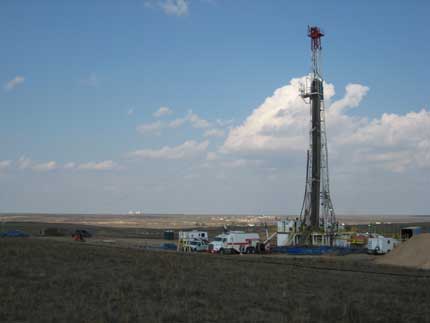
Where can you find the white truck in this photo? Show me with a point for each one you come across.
(235, 242)
(193, 241)
(380, 245)
(194, 245)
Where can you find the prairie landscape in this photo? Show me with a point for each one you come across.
(49, 280)
(205, 161)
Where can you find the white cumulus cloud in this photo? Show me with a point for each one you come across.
(162, 111)
(154, 127)
(24, 162)
(214, 133)
(354, 93)
(103, 165)
(393, 141)
(188, 149)
(192, 118)
(70, 165)
(5, 164)
(281, 125)
(44, 167)
(211, 156)
(224, 123)
(12, 84)
(175, 7)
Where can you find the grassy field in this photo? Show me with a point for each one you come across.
(36, 229)
(54, 281)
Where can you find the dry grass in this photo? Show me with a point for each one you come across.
(53, 281)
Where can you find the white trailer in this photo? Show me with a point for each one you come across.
(194, 234)
(235, 242)
(381, 245)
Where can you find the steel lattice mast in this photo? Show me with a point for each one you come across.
(317, 211)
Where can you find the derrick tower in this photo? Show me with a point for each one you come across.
(317, 210)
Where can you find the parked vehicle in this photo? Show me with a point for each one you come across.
(194, 245)
(235, 242)
(193, 241)
(80, 235)
(84, 233)
(381, 245)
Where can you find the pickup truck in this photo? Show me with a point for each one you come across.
(195, 245)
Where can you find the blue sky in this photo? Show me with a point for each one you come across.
(80, 80)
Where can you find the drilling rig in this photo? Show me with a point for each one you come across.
(317, 215)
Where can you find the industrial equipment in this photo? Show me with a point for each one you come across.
(235, 242)
(317, 214)
(381, 245)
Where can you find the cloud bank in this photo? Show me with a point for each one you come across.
(104, 165)
(25, 163)
(187, 150)
(280, 125)
(4, 164)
